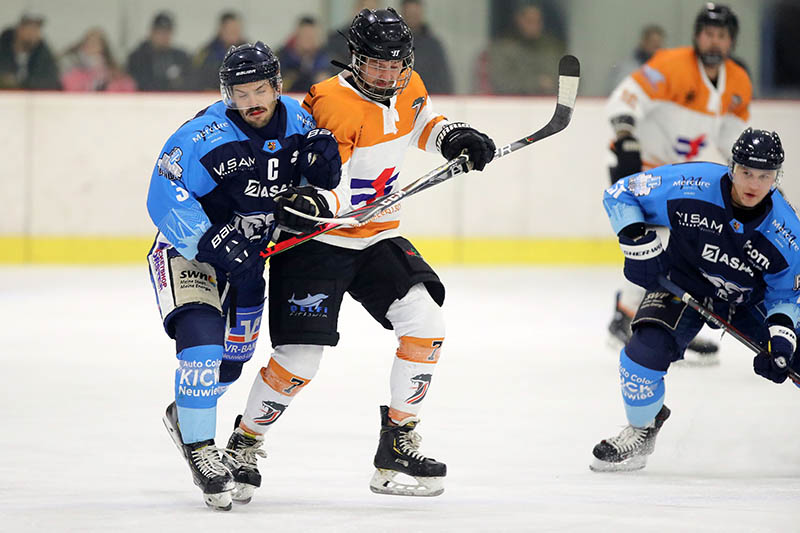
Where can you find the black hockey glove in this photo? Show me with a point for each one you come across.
(225, 248)
(459, 136)
(774, 362)
(629, 158)
(644, 259)
(319, 160)
(304, 199)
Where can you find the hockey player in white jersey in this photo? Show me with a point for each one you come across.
(684, 104)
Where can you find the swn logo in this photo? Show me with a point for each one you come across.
(194, 274)
(689, 148)
(271, 411)
(422, 382)
(168, 164)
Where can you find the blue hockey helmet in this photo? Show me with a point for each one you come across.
(247, 63)
(377, 36)
(760, 149)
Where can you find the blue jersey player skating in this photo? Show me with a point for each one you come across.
(732, 246)
(212, 195)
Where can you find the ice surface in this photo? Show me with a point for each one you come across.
(526, 386)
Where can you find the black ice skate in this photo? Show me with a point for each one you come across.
(629, 450)
(205, 461)
(700, 352)
(244, 451)
(398, 454)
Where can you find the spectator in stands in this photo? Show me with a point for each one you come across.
(156, 65)
(207, 61)
(430, 60)
(26, 61)
(303, 61)
(525, 60)
(89, 65)
(336, 47)
(650, 40)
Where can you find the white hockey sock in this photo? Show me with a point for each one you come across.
(289, 370)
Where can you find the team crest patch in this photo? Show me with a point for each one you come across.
(272, 146)
(737, 226)
(270, 411)
(642, 184)
(422, 382)
(168, 164)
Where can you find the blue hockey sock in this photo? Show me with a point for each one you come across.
(240, 342)
(197, 389)
(642, 390)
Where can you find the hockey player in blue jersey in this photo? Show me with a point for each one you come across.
(213, 196)
(732, 246)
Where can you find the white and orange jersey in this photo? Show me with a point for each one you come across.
(373, 139)
(679, 114)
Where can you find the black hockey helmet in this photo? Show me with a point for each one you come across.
(717, 15)
(246, 63)
(760, 149)
(382, 35)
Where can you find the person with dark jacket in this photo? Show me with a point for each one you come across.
(430, 59)
(207, 61)
(156, 65)
(26, 61)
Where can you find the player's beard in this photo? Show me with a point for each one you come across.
(258, 116)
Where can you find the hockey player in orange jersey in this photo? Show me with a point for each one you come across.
(376, 108)
(684, 104)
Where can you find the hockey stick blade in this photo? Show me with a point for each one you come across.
(715, 319)
(568, 80)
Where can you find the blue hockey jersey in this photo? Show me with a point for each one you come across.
(217, 168)
(710, 252)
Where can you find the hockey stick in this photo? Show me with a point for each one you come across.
(568, 78)
(715, 319)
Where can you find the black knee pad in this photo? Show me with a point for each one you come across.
(229, 371)
(652, 347)
(198, 326)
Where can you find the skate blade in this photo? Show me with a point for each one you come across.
(628, 465)
(242, 493)
(174, 434)
(220, 501)
(383, 482)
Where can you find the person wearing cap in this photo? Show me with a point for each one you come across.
(26, 61)
(732, 246)
(156, 65)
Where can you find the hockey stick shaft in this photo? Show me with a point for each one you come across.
(568, 80)
(714, 319)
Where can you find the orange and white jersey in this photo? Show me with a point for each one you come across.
(373, 139)
(679, 114)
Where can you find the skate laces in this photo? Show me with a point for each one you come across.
(246, 450)
(409, 442)
(629, 439)
(208, 461)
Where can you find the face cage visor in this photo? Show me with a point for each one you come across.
(380, 79)
(778, 175)
(227, 92)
